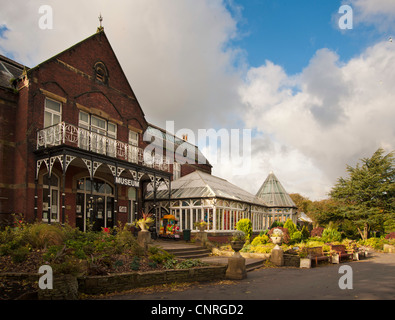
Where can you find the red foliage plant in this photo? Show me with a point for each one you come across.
(317, 232)
(391, 235)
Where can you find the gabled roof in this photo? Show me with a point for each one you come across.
(9, 70)
(274, 194)
(199, 184)
(101, 35)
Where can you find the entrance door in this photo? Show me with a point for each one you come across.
(95, 206)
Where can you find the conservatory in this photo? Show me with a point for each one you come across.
(280, 205)
(200, 196)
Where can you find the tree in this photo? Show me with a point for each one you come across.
(301, 202)
(367, 194)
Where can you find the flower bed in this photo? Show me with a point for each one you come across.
(68, 251)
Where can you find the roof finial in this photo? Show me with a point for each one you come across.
(101, 28)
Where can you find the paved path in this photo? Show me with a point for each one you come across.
(373, 278)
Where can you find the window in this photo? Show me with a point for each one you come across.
(133, 151)
(176, 171)
(84, 120)
(52, 112)
(112, 130)
(133, 138)
(101, 73)
(50, 202)
(93, 133)
(132, 205)
(98, 125)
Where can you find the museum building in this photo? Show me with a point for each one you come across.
(72, 150)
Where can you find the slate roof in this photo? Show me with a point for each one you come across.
(9, 69)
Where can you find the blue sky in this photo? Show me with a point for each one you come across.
(289, 32)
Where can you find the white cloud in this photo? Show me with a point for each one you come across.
(380, 13)
(330, 115)
(175, 53)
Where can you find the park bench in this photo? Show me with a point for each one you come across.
(316, 254)
(339, 253)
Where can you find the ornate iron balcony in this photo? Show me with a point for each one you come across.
(71, 135)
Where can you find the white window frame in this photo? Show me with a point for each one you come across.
(52, 112)
(176, 171)
(97, 143)
(132, 141)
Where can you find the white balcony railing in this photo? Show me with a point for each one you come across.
(68, 134)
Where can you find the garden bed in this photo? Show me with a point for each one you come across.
(27, 247)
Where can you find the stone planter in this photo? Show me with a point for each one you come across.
(277, 241)
(389, 248)
(144, 238)
(237, 245)
(305, 263)
(201, 236)
(335, 258)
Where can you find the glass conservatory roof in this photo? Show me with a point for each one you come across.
(203, 185)
(274, 194)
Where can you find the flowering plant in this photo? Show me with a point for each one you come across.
(200, 224)
(277, 233)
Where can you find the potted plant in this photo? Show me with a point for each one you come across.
(145, 221)
(305, 261)
(201, 225)
(237, 241)
(143, 236)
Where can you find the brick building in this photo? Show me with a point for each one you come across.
(71, 140)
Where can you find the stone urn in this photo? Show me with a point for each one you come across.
(237, 245)
(277, 241)
(277, 238)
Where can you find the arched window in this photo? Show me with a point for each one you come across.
(101, 73)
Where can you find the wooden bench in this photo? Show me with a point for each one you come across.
(316, 254)
(339, 253)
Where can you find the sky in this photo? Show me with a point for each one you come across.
(316, 97)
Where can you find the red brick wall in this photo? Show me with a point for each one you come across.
(71, 76)
(8, 106)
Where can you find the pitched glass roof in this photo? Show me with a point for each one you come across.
(274, 194)
(203, 185)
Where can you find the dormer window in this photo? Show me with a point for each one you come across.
(101, 73)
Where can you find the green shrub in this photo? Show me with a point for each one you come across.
(42, 235)
(262, 249)
(19, 255)
(296, 237)
(305, 233)
(135, 264)
(170, 264)
(331, 235)
(375, 243)
(158, 255)
(260, 240)
(190, 263)
(291, 227)
(245, 225)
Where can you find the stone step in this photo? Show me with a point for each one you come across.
(190, 254)
(254, 265)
